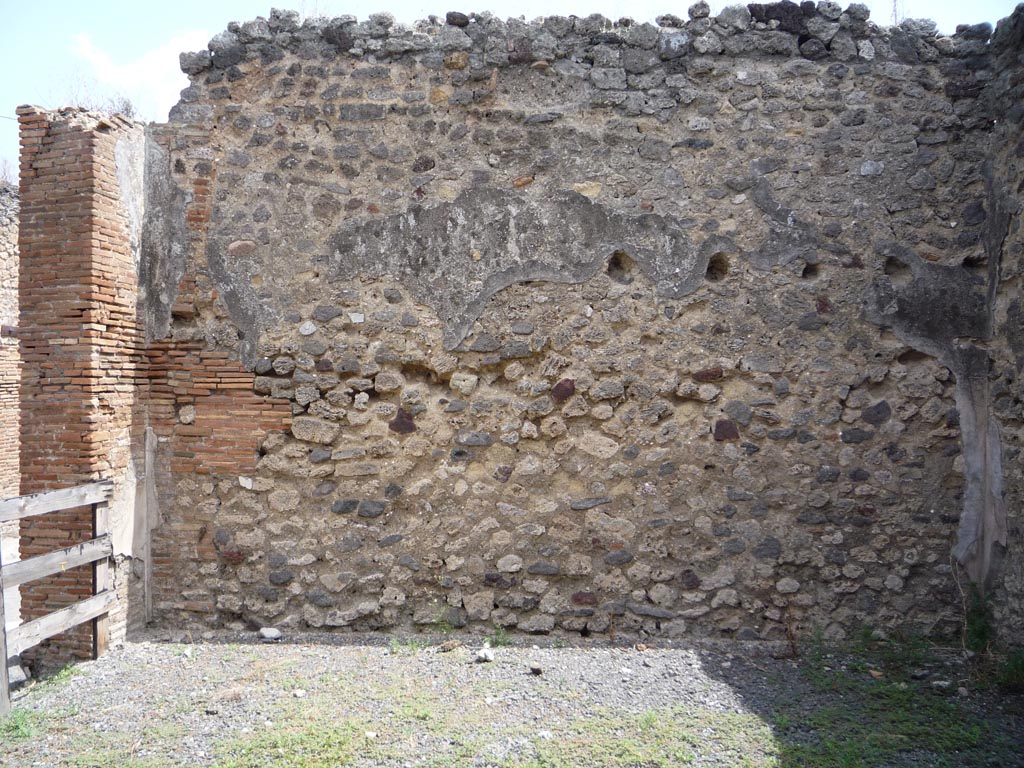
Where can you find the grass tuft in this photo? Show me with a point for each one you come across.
(408, 644)
(1010, 676)
(311, 746)
(874, 712)
(979, 629)
(499, 638)
(19, 724)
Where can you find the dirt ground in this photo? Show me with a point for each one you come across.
(428, 701)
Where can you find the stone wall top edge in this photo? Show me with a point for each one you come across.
(808, 30)
(77, 116)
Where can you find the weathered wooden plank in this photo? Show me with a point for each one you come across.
(51, 501)
(5, 683)
(57, 561)
(35, 631)
(101, 580)
(149, 512)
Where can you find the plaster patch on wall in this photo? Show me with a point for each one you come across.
(128, 155)
(165, 244)
(947, 312)
(455, 256)
(789, 237)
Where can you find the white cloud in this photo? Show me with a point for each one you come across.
(152, 81)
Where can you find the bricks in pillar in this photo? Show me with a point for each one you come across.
(80, 342)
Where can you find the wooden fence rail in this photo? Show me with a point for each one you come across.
(96, 551)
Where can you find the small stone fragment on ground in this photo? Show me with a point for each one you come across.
(270, 635)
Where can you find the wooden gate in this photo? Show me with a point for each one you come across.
(97, 551)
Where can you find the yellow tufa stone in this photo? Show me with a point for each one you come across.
(589, 189)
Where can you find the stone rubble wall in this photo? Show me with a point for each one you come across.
(703, 328)
(10, 378)
(8, 254)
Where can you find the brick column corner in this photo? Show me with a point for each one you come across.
(80, 341)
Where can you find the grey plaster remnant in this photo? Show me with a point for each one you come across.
(455, 256)
(936, 306)
(128, 158)
(164, 242)
(949, 313)
(249, 311)
(1013, 331)
(788, 238)
(983, 519)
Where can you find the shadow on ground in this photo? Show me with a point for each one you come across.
(880, 703)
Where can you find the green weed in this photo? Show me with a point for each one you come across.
(663, 737)
(647, 721)
(399, 645)
(443, 626)
(19, 724)
(979, 630)
(499, 638)
(317, 745)
(61, 676)
(414, 708)
(105, 758)
(875, 712)
(1010, 674)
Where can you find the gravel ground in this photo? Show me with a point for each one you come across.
(315, 700)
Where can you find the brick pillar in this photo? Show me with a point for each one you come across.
(79, 339)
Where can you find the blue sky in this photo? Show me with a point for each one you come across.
(60, 52)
